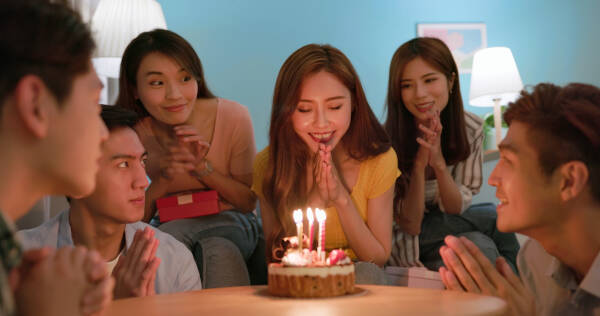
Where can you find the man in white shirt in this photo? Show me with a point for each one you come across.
(143, 260)
(548, 184)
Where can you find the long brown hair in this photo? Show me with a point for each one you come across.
(400, 123)
(285, 183)
(161, 41)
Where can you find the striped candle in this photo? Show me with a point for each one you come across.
(321, 217)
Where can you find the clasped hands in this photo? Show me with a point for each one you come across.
(467, 269)
(430, 151)
(67, 281)
(327, 179)
(187, 155)
(75, 281)
(135, 272)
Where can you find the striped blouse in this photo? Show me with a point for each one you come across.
(468, 176)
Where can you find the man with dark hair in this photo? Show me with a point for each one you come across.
(143, 260)
(548, 183)
(50, 135)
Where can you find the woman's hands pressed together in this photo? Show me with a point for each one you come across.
(327, 179)
(430, 151)
(187, 155)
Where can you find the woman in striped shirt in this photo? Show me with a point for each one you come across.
(440, 170)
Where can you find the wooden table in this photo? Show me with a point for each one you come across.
(369, 300)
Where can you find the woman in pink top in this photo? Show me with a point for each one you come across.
(195, 141)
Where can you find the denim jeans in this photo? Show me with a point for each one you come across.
(477, 223)
(221, 244)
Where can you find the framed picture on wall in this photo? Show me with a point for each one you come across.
(463, 39)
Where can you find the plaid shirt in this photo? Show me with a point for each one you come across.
(10, 254)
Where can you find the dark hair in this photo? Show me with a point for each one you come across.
(400, 123)
(568, 120)
(157, 41)
(43, 39)
(284, 185)
(115, 116)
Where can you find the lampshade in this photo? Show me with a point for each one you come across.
(116, 22)
(494, 77)
(107, 66)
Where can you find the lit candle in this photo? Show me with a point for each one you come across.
(321, 216)
(298, 220)
(311, 219)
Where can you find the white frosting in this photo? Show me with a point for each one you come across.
(320, 271)
(295, 259)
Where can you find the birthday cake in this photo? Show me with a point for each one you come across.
(302, 274)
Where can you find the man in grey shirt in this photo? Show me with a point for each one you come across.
(548, 183)
(143, 260)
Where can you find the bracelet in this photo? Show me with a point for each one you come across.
(208, 169)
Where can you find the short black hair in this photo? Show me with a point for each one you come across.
(566, 118)
(48, 40)
(115, 116)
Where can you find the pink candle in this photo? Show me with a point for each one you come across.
(311, 219)
(321, 216)
(298, 219)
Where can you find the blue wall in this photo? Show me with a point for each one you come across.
(242, 44)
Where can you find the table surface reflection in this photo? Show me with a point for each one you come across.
(368, 300)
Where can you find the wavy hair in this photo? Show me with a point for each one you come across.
(285, 183)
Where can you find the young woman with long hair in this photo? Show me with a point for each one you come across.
(327, 150)
(439, 149)
(195, 141)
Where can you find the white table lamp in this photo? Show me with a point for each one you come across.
(495, 81)
(114, 24)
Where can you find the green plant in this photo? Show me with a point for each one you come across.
(488, 120)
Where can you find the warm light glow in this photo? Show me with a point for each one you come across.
(495, 76)
(495, 81)
(298, 216)
(310, 216)
(299, 228)
(116, 22)
(311, 227)
(321, 216)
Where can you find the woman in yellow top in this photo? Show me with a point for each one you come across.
(327, 150)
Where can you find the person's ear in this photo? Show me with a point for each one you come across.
(574, 177)
(32, 99)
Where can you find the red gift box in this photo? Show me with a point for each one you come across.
(187, 205)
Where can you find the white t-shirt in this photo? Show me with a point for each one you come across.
(113, 263)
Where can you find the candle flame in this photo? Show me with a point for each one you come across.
(309, 215)
(321, 216)
(298, 216)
